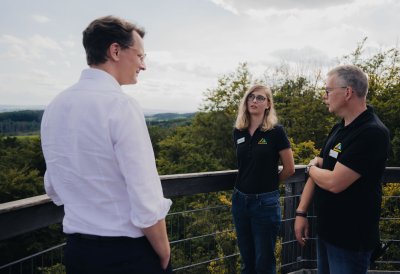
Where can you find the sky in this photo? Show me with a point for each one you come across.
(190, 44)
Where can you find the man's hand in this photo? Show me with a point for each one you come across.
(164, 262)
(301, 230)
(315, 162)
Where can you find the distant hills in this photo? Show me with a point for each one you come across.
(9, 108)
(147, 112)
(26, 122)
(168, 116)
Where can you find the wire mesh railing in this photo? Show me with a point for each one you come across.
(203, 239)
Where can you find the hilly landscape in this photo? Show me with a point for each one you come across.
(27, 122)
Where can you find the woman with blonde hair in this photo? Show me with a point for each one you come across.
(260, 143)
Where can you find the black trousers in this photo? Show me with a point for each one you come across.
(89, 254)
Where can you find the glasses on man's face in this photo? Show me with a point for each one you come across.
(329, 90)
(259, 98)
(140, 56)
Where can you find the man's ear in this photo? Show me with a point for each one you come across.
(349, 93)
(114, 51)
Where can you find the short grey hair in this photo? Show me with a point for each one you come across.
(352, 76)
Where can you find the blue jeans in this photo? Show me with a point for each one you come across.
(335, 260)
(257, 218)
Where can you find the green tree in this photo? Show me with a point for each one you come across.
(390, 222)
(21, 168)
(157, 134)
(206, 144)
(383, 69)
(303, 152)
(226, 96)
(302, 112)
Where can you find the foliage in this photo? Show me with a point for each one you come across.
(21, 168)
(206, 145)
(226, 245)
(30, 243)
(301, 111)
(157, 134)
(383, 69)
(226, 96)
(20, 122)
(169, 120)
(55, 269)
(203, 142)
(194, 218)
(303, 152)
(180, 153)
(390, 222)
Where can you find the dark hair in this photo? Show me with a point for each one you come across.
(352, 76)
(104, 31)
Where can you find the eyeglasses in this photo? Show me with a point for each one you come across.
(328, 90)
(259, 98)
(141, 56)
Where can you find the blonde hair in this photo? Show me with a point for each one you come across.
(243, 117)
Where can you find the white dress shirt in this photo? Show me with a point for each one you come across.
(100, 161)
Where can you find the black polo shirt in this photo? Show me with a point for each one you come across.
(350, 219)
(257, 159)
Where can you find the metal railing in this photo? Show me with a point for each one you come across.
(202, 239)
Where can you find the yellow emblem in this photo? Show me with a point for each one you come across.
(262, 141)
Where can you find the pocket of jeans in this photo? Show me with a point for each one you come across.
(268, 212)
(269, 203)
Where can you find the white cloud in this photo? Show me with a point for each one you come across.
(240, 6)
(29, 49)
(190, 44)
(301, 55)
(44, 43)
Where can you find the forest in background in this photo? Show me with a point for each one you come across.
(203, 141)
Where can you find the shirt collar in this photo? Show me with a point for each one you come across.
(103, 78)
(361, 119)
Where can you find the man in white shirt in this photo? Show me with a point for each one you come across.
(100, 162)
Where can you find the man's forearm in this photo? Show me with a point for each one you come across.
(306, 196)
(158, 238)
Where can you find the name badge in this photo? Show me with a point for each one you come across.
(333, 153)
(240, 140)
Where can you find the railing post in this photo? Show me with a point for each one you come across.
(294, 257)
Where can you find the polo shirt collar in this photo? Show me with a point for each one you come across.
(361, 119)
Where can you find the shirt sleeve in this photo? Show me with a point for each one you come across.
(282, 139)
(135, 157)
(367, 152)
(50, 191)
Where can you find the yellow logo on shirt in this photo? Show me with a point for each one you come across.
(262, 141)
(338, 147)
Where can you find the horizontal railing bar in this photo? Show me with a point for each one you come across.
(197, 209)
(30, 214)
(295, 241)
(299, 262)
(387, 262)
(201, 236)
(33, 255)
